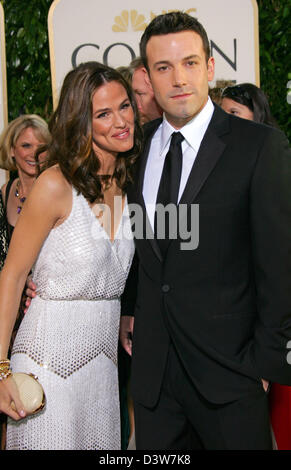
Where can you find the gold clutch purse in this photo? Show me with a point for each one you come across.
(30, 392)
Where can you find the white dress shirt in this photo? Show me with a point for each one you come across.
(193, 133)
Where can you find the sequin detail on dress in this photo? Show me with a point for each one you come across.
(69, 336)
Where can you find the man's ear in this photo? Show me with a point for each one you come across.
(210, 68)
(147, 78)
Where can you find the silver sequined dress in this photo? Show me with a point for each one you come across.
(69, 336)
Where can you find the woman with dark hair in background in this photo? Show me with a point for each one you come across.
(247, 101)
(75, 227)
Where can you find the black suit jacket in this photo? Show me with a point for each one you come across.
(226, 306)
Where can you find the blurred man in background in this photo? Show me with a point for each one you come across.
(144, 95)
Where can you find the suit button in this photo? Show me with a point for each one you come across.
(165, 288)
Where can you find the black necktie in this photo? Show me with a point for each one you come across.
(170, 183)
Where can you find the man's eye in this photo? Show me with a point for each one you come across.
(125, 105)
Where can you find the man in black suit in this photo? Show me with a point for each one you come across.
(212, 317)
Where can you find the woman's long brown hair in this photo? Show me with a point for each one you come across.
(71, 128)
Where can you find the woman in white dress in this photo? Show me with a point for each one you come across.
(74, 232)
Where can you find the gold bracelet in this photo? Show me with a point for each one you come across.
(4, 361)
(5, 375)
(4, 367)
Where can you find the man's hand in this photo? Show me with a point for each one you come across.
(30, 292)
(125, 332)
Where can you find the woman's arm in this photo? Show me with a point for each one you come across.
(48, 203)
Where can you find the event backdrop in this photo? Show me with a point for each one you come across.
(110, 32)
(3, 86)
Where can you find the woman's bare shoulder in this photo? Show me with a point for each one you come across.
(53, 182)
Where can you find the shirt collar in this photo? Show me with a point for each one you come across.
(192, 132)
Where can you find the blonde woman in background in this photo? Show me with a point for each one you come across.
(18, 144)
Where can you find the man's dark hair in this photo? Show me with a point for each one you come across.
(173, 22)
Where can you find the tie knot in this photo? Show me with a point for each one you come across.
(177, 138)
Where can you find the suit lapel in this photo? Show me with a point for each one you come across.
(209, 153)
